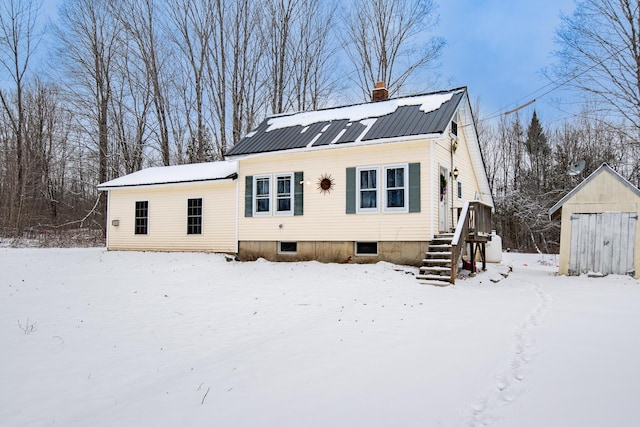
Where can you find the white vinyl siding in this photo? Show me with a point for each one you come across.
(167, 217)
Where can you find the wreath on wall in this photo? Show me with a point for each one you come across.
(443, 187)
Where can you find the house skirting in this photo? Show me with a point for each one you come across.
(405, 253)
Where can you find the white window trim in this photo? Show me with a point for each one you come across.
(405, 187)
(358, 189)
(275, 194)
(255, 195)
(459, 189)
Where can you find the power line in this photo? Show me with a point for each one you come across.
(557, 86)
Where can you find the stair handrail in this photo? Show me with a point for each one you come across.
(476, 216)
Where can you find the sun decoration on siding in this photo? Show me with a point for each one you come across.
(325, 183)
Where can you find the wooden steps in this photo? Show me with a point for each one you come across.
(436, 266)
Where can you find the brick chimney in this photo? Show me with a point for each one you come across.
(379, 93)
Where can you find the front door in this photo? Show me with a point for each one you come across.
(443, 203)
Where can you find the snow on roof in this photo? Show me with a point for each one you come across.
(175, 174)
(355, 113)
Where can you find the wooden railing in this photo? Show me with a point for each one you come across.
(474, 220)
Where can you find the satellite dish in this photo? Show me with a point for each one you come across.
(576, 168)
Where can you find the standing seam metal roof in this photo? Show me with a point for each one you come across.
(405, 120)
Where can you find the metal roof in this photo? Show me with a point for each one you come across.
(424, 114)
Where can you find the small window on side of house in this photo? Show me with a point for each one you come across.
(194, 216)
(142, 217)
(287, 247)
(367, 248)
(459, 190)
(454, 128)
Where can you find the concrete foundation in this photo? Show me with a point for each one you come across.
(404, 253)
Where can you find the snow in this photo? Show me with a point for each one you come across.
(175, 174)
(356, 113)
(99, 338)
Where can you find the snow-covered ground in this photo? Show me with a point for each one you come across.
(96, 338)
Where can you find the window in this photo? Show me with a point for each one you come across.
(454, 128)
(284, 197)
(368, 190)
(287, 247)
(277, 194)
(142, 217)
(459, 189)
(366, 248)
(395, 188)
(194, 216)
(398, 190)
(262, 196)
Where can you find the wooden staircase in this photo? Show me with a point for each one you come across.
(439, 267)
(436, 266)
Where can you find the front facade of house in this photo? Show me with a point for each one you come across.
(600, 231)
(361, 183)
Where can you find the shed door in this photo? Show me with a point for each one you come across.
(602, 243)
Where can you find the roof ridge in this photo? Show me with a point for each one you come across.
(439, 92)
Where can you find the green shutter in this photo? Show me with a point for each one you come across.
(351, 190)
(414, 187)
(248, 196)
(298, 193)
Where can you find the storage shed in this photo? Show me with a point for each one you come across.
(599, 226)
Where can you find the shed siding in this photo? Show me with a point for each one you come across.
(603, 194)
(168, 218)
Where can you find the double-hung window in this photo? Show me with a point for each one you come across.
(194, 216)
(367, 186)
(142, 217)
(395, 188)
(262, 195)
(284, 194)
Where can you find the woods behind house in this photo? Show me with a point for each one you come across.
(107, 88)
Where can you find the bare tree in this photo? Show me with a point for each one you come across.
(387, 41)
(195, 22)
(18, 40)
(140, 19)
(313, 51)
(600, 54)
(89, 42)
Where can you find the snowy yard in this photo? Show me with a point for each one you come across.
(96, 338)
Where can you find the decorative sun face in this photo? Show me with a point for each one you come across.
(325, 183)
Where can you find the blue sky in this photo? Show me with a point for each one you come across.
(498, 48)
